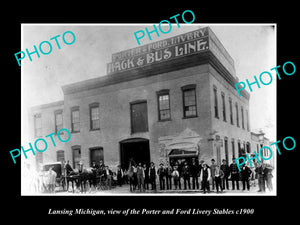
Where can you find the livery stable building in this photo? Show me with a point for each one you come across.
(169, 100)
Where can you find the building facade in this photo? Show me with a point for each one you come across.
(169, 100)
(257, 142)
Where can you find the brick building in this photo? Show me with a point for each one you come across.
(168, 100)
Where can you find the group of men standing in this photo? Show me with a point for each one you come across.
(182, 175)
(217, 176)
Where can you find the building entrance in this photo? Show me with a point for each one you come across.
(136, 149)
(180, 156)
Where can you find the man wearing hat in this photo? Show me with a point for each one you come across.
(152, 176)
(226, 170)
(161, 174)
(204, 178)
(234, 174)
(200, 169)
(186, 175)
(261, 181)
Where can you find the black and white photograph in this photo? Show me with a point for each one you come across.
(148, 113)
(103, 115)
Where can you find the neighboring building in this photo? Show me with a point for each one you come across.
(257, 142)
(168, 100)
(44, 120)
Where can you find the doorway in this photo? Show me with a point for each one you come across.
(136, 149)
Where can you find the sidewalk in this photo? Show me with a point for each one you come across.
(124, 190)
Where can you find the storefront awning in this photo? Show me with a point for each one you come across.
(185, 144)
(179, 153)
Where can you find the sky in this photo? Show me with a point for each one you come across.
(252, 47)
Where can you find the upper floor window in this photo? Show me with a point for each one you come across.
(75, 119)
(247, 120)
(233, 148)
(230, 111)
(94, 116)
(237, 114)
(38, 125)
(164, 112)
(60, 155)
(216, 102)
(139, 116)
(189, 101)
(58, 120)
(242, 112)
(223, 107)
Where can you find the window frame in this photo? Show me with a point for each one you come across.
(223, 106)
(93, 106)
(237, 114)
(247, 120)
(216, 107)
(58, 112)
(131, 118)
(75, 148)
(73, 109)
(38, 115)
(233, 148)
(230, 111)
(183, 90)
(101, 149)
(242, 112)
(58, 153)
(159, 94)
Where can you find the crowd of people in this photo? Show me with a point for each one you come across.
(195, 175)
(180, 175)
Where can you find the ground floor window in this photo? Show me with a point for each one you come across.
(76, 156)
(60, 156)
(96, 155)
(226, 149)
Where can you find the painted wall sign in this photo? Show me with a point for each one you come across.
(171, 48)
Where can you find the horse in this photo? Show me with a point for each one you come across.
(81, 178)
(131, 176)
(88, 175)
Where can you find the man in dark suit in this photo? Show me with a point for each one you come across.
(107, 177)
(268, 176)
(169, 171)
(234, 173)
(186, 175)
(200, 169)
(226, 170)
(246, 173)
(204, 177)
(161, 174)
(179, 168)
(152, 176)
(260, 176)
(146, 181)
(194, 169)
(120, 175)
